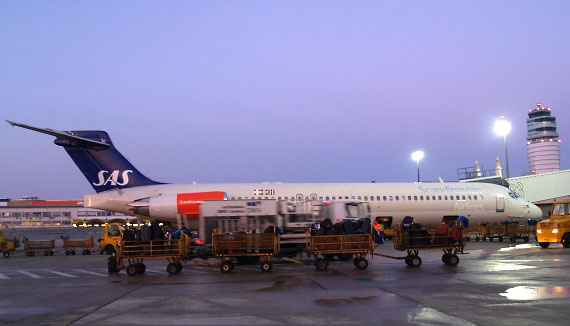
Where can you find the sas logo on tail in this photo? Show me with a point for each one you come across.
(112, 178)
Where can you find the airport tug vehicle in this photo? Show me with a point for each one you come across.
(557, 228)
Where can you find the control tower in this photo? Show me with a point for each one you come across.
(543, 144)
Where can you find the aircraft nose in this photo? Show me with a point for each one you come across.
(534, 211)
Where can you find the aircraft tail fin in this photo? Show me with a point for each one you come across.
(94, 154)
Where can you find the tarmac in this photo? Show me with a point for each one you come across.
(494, 284)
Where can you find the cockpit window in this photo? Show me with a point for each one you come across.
(512, 194)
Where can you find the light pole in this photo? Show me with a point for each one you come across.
(502, 128)
(418, 156)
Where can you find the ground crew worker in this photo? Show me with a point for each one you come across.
(379, 228)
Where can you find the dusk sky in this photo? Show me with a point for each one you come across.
(277, 91)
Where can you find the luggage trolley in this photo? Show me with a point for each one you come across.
(71, 245)
(358, 244)
(31, 246)
(517, 231)
(414, 240)
(227, 246)
(134, 252)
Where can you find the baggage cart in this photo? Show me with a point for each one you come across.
(493, 231)
(358, 245)
(229, 246)
(6, 246)
(515, 231)
(46, 246)
(135, 252)
(71, 245)
(414, 240)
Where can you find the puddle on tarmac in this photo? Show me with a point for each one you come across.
(536, 293)
(286, 282)
(509, 267)
(520, 246)
(344, 301)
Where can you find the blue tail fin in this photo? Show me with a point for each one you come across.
(94, 154)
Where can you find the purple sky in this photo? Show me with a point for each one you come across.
(291, 91)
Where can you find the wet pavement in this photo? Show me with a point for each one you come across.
(494, 284)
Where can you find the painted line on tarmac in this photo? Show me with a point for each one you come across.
(153, 271)
(89, 272)
(4, 277)
(59, 273)
(32, 275)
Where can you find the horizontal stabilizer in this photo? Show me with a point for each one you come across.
(62, 134)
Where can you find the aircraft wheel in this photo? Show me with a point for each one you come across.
(266, 267)
(171, 268)
(132, 269)
(321, 264)
(6, 254)
(67, 252)
(73, 252)
(477, 239)
(526, 239)
(500, 239)
(490, 239)
(361, 263)
(544, 244)
(226, 267)
(415, 261)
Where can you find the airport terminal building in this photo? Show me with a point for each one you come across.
(30, 212)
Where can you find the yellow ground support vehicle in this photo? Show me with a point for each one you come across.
(109, 237)
(6, 245)
(557, 228)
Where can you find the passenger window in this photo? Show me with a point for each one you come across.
(359, 197)
(384, 198)
(239, 198)
(439, 197)
(427, 197)
(397, 198)
(463, 197)
(475, 197)
(421, 197)
(409, 197)
(351, 197)
(333, 197)
(345, 197)
(457, 197)
(233, 198)
(433, 197)
(481, 197)
(415, 197)
(391, 198)
(366, 198)
(371, 198)
(327, 197)
(378, 198)
(469, 197)
(321, 198)
(445, 197)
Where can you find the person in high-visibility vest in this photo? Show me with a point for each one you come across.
(379, 228)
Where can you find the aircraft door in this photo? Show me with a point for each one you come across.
(299, 198)
(500, 203)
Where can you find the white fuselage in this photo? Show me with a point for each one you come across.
(426, 202)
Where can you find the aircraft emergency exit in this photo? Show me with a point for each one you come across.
(122, 188)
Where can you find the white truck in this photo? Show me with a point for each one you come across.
(292, 218)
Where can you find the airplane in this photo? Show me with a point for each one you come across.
(120, 187)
